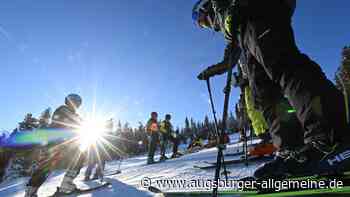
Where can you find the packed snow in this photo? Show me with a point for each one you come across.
(134, 169)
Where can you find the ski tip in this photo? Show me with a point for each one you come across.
(154, 190)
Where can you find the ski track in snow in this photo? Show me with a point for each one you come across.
(128, 183)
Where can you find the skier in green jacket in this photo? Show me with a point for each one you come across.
(152, 129)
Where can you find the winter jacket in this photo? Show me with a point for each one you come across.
(166, 127)
(152, 126)
(64, 117)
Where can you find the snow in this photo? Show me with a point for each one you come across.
(128, 183)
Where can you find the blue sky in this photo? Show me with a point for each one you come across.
(131, 57)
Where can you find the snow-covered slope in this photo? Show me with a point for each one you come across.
(128, 183)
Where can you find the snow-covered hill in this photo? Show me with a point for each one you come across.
(128, 183)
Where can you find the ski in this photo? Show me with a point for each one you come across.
(325, 192)
(112, 173)
(105, 175)
(340, 192)
(81, 191)
(211, 165)
(234, 154)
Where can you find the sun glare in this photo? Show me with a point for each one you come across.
(90, 132)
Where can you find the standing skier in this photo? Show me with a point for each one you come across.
(152, 128)
(263, 32)
(65, 117)
(168, 134)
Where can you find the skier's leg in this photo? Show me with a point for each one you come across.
(175, 142)
(163, 146)
(285, 129)
(47, 163)
(88, 171)
(67, 184)
(151, 148)
(318, 104)
(100, 168)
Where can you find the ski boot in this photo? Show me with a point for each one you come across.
(304, 162)
(150, 161)
(87, 178)
(176, 155)
(31, 191)
(261, 150)
(163, 158)
(67, 185)
(337, 161)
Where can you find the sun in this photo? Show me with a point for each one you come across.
(91, 131)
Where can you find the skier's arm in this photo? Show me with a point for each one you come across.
(231, 56)
(148, 126)
(163, 128)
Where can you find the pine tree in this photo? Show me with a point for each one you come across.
(343, 73)
(194, 129)
(232, 123)
(187, 126)
(342, 77)
(119, 127)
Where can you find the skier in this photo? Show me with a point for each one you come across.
(195, 145)
(263, 32)
(29, 123)
(64, 117)
(168, 134)
(44, 119)
(152, 128)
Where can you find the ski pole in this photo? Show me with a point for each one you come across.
(216, 127)
(120, 163)
(233, 61)
(212, 107)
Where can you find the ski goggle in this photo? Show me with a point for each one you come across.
(200, 14)
(202, 19)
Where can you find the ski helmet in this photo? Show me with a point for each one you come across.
(167, 117)
(154, 114)
(202, 14)
(73, 99)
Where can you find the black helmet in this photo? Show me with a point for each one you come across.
(203, 11)
(73, 100)
(167, 117)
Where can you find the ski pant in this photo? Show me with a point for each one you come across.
(5, 157)
(284, 127)
(319, 106)
(99, 170)
(175, 142)
(50, 160)
(152, 145)
(165, 138)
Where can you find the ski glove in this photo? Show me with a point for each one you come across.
(203, 75)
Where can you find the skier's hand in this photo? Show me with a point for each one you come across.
(203, 75)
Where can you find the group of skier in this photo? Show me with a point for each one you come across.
(281, 80)
(163, 132)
